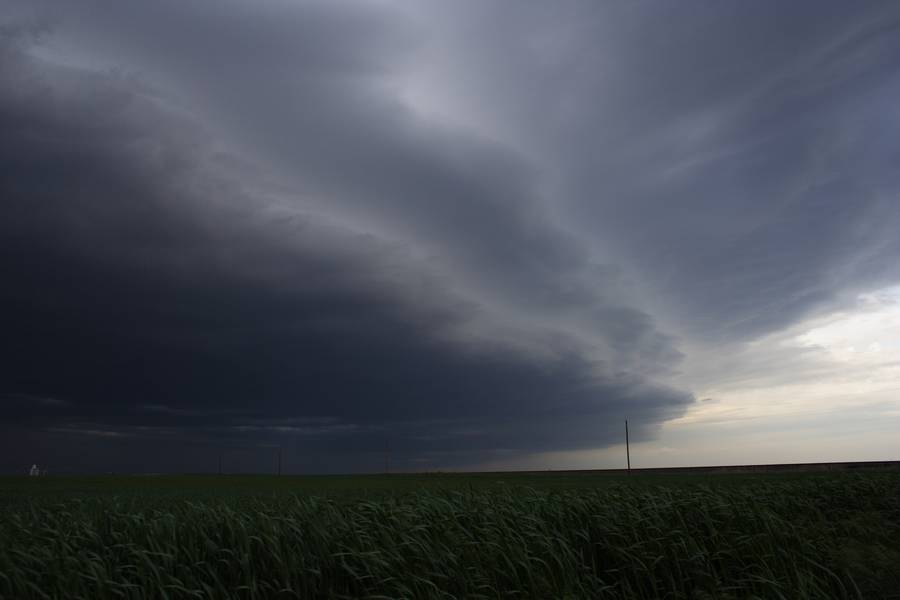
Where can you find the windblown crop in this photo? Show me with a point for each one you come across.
(824, 537)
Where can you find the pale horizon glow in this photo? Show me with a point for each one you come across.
(834, 398)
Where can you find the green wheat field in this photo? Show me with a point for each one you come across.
(834, 535)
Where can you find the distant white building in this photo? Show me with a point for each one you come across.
(34, 471)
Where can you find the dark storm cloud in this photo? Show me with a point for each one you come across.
(738, 158)
(461, 229)
(167, 295)
(320, 106)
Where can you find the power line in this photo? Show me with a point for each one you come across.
(627, 447)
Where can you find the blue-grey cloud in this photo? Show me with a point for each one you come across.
(737, 159)
(168, 293)
(461, 230)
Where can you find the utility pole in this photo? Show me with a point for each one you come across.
(627, 447)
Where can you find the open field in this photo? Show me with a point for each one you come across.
(492, 535)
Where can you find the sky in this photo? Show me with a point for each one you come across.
(426, 235)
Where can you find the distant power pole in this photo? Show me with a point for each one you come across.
(627, 447)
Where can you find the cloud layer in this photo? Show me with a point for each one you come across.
(165, 289)
(340, 228)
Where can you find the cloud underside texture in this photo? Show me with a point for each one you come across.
(158, 302)
(249, 236)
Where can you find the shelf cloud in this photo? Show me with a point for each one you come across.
(453, 233)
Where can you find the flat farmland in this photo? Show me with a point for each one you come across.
(491, 535)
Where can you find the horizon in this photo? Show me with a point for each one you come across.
(696, 469)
